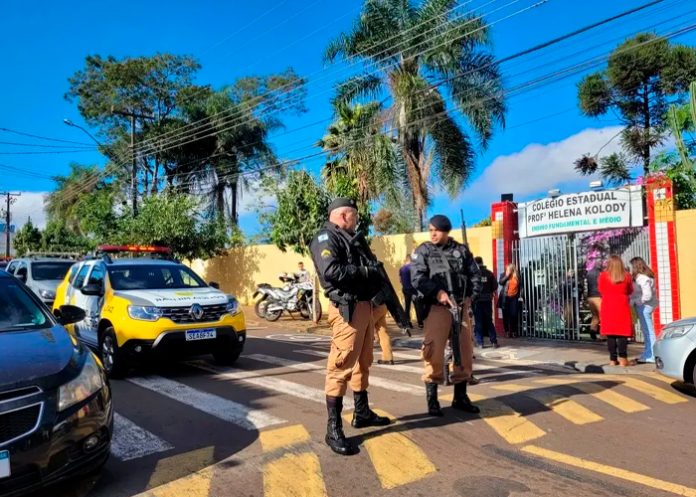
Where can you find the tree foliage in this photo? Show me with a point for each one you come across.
(27, 239)
(426, 56)
(299, 213)
(643, 76)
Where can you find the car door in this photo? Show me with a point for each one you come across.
(93, 304)
(77, 298)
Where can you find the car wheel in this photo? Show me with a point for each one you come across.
(227, 357)
(260, 307)
(112, 359)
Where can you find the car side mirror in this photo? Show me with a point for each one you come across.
(69, 314)
(214, 284)
(93, 290)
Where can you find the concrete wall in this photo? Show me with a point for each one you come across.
(242, 269)
(686, 242)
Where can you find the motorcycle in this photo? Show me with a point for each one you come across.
(291, 298)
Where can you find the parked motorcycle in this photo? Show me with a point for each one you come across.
(293, 297)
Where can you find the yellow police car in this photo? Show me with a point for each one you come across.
(139, 306)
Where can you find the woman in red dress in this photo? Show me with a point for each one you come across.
(616, 287)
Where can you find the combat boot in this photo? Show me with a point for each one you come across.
(363, 416)
(335, 437)
(462, 401)
(431, 396)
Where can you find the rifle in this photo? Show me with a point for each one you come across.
(464, 238)
(389, 295)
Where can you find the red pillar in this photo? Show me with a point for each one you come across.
(663, 249)
(505, 232)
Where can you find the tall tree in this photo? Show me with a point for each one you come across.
(27, 239)
(420, 51)
(643, 76)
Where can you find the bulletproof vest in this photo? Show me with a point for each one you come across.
(448, 264)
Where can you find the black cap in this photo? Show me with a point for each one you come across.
(441, 223)
(342, 202)
(478, 260)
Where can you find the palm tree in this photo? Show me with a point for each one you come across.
(415, 52)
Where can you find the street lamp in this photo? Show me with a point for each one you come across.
(70, 123)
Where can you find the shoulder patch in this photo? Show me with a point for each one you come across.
(326, 253)
(323, 237)
(414, 256)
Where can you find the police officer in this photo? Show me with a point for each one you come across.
(350, 282)
(441, 272)
(483, 306)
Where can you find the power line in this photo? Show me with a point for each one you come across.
(8, 130)
(20, 144)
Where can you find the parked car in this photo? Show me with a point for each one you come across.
(56, 417)
(675, 350)
(139, 306)
(41, 274)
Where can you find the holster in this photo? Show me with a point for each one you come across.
(344, 303)
(422, 308)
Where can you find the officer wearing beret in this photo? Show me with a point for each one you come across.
(444, 273)
(350, 282)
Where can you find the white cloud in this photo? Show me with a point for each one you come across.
(539, 168)
(29, 205)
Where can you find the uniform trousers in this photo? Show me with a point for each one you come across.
(379, 314)
(436, 330)
(351, 350)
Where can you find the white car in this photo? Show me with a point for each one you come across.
(675, 350)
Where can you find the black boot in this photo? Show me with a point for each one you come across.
(363, 416)
(334, 428)
(431, 396)
(461, 400)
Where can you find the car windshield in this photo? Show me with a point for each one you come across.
(50, 270)
(153, 277)
(18, 311)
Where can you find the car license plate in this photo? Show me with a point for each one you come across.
(4, 463)
(206, 334)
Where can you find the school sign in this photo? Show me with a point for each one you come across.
(587, 211)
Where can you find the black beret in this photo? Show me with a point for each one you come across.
(441, 223)
(342, 202)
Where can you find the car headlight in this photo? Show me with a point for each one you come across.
(87, 383)
(676, 332)
(232, 305)
(144, 312)
(47, 294)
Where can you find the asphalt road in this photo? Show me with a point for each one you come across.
(195, 429)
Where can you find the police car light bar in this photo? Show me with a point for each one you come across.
(143, 249)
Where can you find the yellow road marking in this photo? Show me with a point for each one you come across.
(599, 392)
(623, 474)
(283, 437)
(657, 393)
(659, 377)
(293, 475)
(396, 458)
(169, 469)
(569, 409)
(505, 421)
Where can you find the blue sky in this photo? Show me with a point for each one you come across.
(43, 46)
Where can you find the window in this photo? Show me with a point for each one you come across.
(12, 266)
(18, 311)
(153, 277)
(96, 277)
(49, 270)
(81, 276)
(73, 272)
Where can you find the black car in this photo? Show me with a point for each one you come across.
(56, 416)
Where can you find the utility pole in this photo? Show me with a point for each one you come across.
(134, 159)
(8, 218)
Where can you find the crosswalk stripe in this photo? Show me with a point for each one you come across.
(657, 393)
(283, 437)
(294, 475)
(130, 441)
(503, 419)
(227, 410)
(269, 383)
(567, 408)
(315, 368)
(606, 395)
(169, 469)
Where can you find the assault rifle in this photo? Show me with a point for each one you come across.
(388, 294)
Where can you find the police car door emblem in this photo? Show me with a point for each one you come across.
(196, 312)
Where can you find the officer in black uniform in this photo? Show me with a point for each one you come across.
(350, 281)
(444, 273)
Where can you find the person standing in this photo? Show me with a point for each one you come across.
(350, 282)
(407, 288)
(594, 298)
(483, 306)
(644, 300)
(302, 274)
(379, 314)
(509, 300)
(616, 287)
(441, 271)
